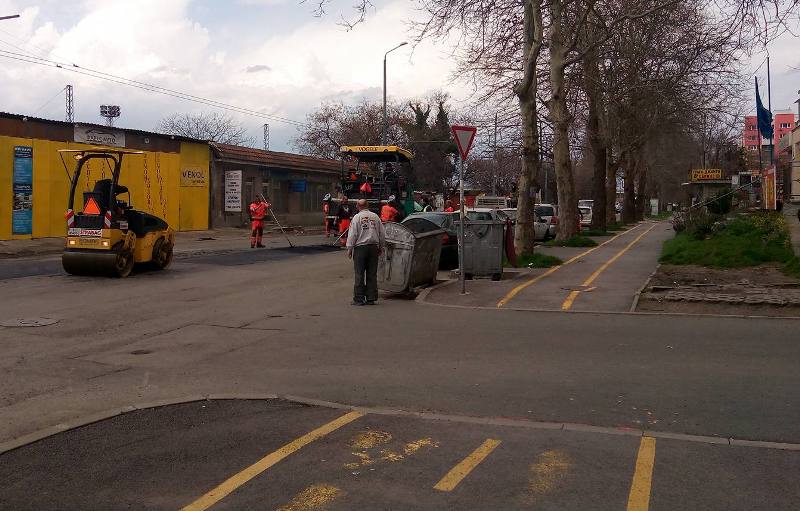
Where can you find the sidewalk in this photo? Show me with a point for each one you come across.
(215, 240)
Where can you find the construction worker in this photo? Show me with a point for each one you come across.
(343, 216)
(364, 245)
(330, 218)
(258, 211)
(388, 212)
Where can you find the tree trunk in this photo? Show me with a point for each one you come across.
(596, 144)
(524, 233)
(641, 188)
(611, 188)
(559, 115)
(629, 204)
(531, 162)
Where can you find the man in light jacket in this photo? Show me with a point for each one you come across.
(365, 243)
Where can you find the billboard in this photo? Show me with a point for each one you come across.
(233, 191)
(22, 189)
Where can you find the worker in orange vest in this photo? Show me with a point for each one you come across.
(329, 217)
(258, 211)
(388, 211)
(343, 216)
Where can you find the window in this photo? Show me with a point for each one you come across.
(312, 198)
(786, 125)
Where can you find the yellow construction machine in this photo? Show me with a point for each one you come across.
(108, 237)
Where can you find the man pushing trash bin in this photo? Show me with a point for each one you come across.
(365, 243)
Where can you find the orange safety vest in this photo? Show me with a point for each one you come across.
(388, 213)
(258, 210)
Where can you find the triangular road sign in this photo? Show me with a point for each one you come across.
(464, 136)
(91, 207)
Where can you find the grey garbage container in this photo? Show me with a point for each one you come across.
(410, 259)
(483, 248)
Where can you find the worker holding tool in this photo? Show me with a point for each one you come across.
(365, 242)
(343, 215)
(258, 211)
(327, 210)
(388, 211)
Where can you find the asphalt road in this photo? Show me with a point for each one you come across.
(280, 322)
(171, 457)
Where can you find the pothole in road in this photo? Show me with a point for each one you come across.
(141, 352)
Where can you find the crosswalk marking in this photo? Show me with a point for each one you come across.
(462, 470)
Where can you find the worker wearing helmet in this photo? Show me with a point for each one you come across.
(388, 211)
(258, 212)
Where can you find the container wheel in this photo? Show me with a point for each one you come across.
(162, 254)
(497, 276)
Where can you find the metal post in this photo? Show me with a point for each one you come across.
(383, 131)
(461, 229)
(494, 153)
(769, 105)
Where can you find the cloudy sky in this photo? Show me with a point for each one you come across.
(273, 56)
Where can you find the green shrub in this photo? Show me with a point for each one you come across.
(536, 260)
(721, 205)
(575, 241)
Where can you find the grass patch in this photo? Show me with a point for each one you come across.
(747, 240)
(616, 227)
(575, 241)
(538, 260)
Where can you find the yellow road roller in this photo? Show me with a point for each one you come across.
(108, 237)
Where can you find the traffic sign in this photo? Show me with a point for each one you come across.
(464, 136)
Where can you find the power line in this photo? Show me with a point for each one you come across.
(48, 101)
(74, 68)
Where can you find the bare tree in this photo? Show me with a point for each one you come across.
(214, 127)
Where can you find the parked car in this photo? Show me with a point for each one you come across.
(549, 214)
(431, 221)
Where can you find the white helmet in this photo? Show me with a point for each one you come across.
(327, 197)
(391, 198)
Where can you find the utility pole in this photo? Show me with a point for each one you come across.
(385, 122)
(266, 137)
(769, 106)
(70, 104)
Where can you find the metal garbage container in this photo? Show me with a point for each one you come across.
(484, 248)
(409, 259)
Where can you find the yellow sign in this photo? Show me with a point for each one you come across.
(194, 177)
(706, 174)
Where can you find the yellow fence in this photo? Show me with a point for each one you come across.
(173, 186)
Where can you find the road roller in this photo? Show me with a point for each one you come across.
(108, 236)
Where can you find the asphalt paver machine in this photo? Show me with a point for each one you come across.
(108, 236)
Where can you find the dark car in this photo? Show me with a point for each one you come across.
(431, 221)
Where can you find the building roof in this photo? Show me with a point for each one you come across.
(20, 117)
(277, 159)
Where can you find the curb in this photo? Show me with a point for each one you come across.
(641, 289)
(393, 412)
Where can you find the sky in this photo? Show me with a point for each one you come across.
(272, 56)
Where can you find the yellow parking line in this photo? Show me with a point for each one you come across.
(639, 497)
(514, 292)
(237, 480)
(313, 498)
(574, 294)
(462, 470)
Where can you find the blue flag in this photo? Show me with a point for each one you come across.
(764, 117)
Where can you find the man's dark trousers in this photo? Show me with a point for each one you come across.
(365, 262)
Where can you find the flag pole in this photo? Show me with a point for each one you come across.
(769, 106)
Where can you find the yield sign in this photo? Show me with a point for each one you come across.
(464, 136)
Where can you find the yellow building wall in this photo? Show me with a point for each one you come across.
(153, 178)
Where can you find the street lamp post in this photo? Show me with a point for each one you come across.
(9, 17)
(385, 127)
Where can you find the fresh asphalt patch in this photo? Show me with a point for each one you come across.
(274, 454)
(255, 255)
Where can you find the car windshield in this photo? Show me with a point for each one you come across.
(545, 211)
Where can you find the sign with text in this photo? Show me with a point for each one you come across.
(465, 136)
(233, 191)
(22, 189)
(96, 135)
(706, 175)
(768, 189)
(194, 177)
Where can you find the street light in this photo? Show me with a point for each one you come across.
(9, 17)
(385, 127)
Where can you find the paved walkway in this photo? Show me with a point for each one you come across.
(603, 278)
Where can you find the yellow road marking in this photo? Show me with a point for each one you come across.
(568, 302)
(514, 292)
(574, 294)
(313, 498)
(462, 470)
(639, 497)
(237, 480)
